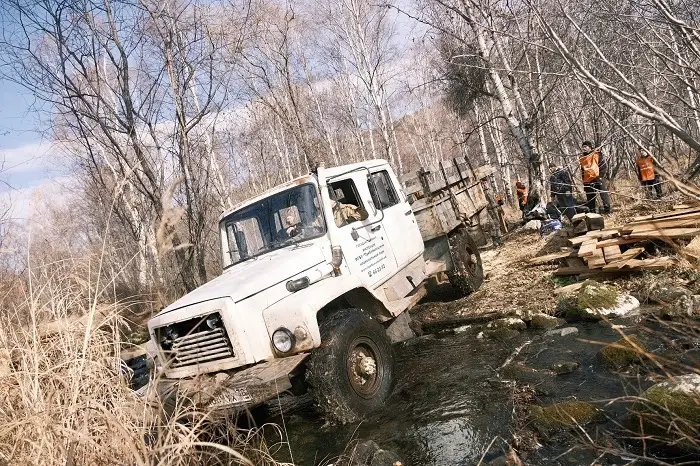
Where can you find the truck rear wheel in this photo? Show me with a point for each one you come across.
(467, 274)
(352, 372)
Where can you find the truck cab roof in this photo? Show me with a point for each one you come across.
(329, 172)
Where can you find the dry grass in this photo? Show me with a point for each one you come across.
(64, 400)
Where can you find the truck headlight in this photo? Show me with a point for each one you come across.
(213, 321)
(283, 340)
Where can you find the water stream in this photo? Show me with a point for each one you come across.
(451, 400)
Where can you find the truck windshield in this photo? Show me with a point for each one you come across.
(285, 218)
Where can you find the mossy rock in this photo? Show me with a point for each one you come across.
(566, 415)
(621, 353)
(543, 321)
(594, 301)
(594, 295)
(564, 367)
(501, 334)
(670, 411)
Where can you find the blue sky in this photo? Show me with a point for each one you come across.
(28, 162)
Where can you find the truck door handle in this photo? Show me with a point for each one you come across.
(408, 213)
(377, 228)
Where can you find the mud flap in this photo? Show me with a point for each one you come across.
(224, 392)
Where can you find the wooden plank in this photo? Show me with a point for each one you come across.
(574, 287)
(551, 257)
(650, 264)
(684, 206)
(667, 214)
(626, 256)
(597, 260)
(602, 274)
(483, 171)
(611, 253)
(690, 215)
(597, 234)
(564, 271)
(587, 248)
(661, 224)
(666, 233)
(618, 242)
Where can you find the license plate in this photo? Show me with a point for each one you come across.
(230, 397)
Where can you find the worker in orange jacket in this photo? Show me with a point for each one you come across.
(521, 192)
(647, 174)
(594, 173)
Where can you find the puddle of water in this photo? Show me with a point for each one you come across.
(444, 410)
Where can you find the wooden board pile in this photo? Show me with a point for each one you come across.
(616, 250)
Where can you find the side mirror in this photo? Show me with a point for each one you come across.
(373, 192)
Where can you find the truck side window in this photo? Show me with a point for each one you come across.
(385, 195)
(346, 203)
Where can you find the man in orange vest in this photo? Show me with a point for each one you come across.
(647, 174)
(521, 191)
(594, 172)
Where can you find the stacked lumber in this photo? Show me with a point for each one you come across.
(601, 250)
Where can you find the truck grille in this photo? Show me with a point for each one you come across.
(193, 342)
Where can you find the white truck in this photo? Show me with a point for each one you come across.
(318, 276)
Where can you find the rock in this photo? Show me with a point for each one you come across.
(500, 334)
(512, 323)
(533, 225)
(564, 367)
(368, 453)
(685, 307)
(548, 419)
(540, 320)
(670, 411)
(522, 314)
(669, 294)
(594, 301)
(621, 353)
(524, 374)
(362, 453)
(561, 332)
(386, 458)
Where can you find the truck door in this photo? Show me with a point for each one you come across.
(399, 222)
(365, 243)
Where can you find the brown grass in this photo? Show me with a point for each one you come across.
(64, 400)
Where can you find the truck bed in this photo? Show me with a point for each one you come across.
(441, 191)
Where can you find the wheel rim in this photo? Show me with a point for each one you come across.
(471, 261)
(363, 368)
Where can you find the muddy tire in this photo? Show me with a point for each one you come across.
(467, 273)
(352, 372)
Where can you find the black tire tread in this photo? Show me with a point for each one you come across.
(326, 387)
(458, 276)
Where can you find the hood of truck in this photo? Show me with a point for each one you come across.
(253, 276)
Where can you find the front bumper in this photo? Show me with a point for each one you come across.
(225, 393)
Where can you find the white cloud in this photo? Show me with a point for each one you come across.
(18, 205)
(32, 157)
(29, 177)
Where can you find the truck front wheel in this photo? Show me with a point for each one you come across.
(467, 274)
(352, 372)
